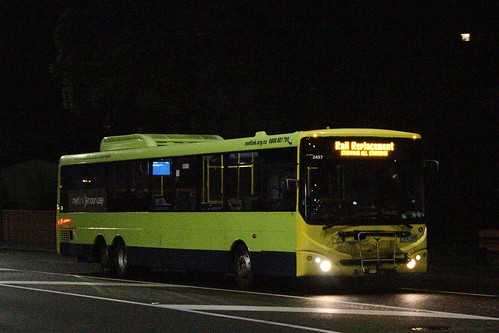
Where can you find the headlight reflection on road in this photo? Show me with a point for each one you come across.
(413, 299)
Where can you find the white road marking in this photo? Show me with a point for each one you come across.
(145, 283)
(77, 283)
(448, 292)
(274, 323)
(419, 313)
(395, 311)
(204, 309)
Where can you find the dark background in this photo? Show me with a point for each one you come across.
(75, 71)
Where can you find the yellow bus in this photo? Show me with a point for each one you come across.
(330, 202)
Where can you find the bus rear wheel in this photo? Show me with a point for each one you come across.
(242, 267)
(119, 259)
(103, 257)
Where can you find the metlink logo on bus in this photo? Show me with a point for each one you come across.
(364, 149)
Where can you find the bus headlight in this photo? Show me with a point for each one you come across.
(411, 264)
(325, 265)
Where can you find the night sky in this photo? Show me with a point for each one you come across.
(74, 71)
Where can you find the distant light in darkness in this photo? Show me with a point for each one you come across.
(466, 37)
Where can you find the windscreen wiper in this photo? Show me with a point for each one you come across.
(394, 215)
(341, 218)
(382, 215)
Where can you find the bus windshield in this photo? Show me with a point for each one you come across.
(362, 181)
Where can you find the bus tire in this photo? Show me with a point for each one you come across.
(242, 267)
(103, 258)
(119, 259)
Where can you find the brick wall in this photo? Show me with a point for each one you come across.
(31, 227)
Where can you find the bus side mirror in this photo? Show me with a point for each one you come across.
(292, 184)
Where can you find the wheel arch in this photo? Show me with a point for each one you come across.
(234, 246)
(242, 266)
(236, 243)
(118, 239)
(99, 242)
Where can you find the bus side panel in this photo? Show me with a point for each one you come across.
(190, 241)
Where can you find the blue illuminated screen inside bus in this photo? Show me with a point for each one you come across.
(161, 168)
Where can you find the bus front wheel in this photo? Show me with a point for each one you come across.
(119, 259)
(242, 267)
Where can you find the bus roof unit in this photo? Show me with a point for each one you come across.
(134, 141)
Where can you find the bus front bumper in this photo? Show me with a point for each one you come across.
(314, 264)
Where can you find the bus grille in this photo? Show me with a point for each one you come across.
(372, 248)
(66, 236)
(354, 248)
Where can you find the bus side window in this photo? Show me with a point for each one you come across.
(117, 186)
(162, 188)
(187, 183)
(277, 167)
(278, 195)
(240, 181)
(139, 196)
(288, 195)
(84, 188)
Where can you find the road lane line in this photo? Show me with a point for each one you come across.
(254, 320)
(237, 291)
(243, 308)
(274, 323)
(145, 284)
(202, 308)
(80, 283)
(448, 292)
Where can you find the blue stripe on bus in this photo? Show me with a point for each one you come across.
(264, 263)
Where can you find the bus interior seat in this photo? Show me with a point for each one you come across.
(235, 203)
(159, 204)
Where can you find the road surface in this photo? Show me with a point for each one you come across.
(42, 292)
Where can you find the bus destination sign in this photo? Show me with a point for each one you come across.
(364, 149)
